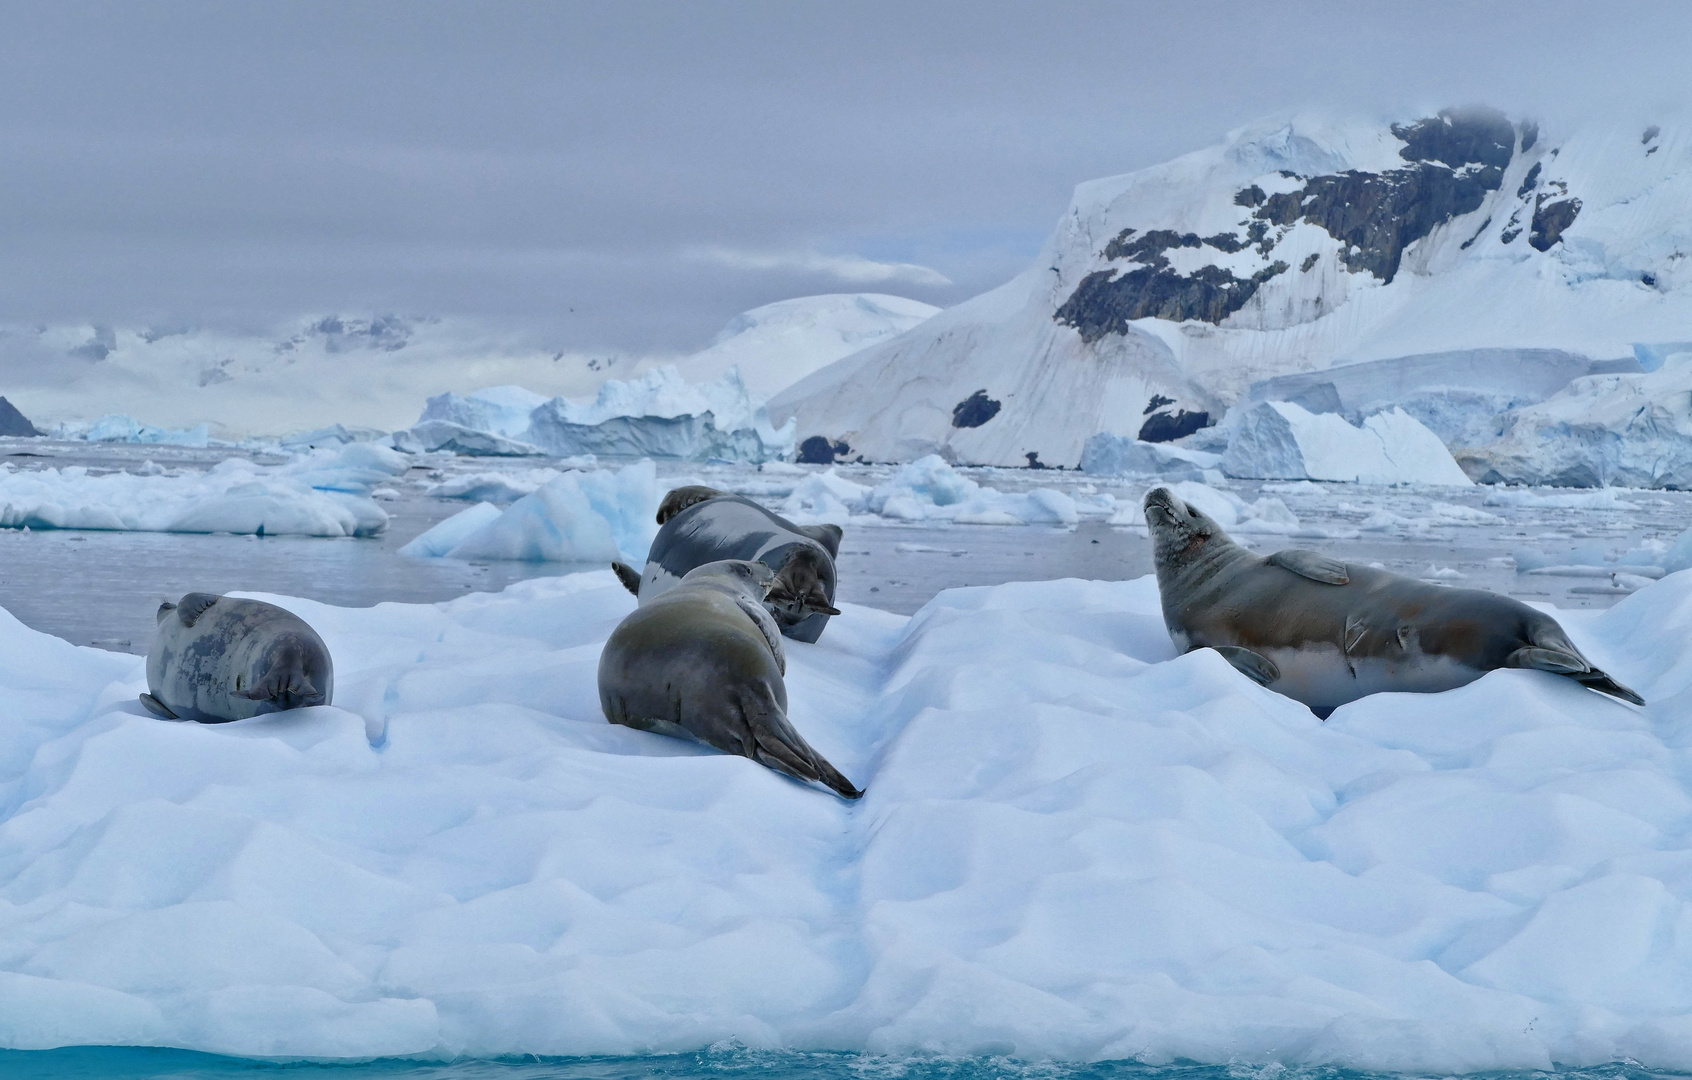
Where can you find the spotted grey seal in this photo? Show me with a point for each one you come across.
(704, 661)
(217, 658)
(1326, 632)
(703, 525)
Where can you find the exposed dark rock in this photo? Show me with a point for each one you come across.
(1157, 402)
(1651, 133)
(1653, 150)
(1033, 457)
(1167, 427)
(1309, 261)
(1226, 242)
(1465, 244)
(817, 450)
(1105, 304)
(1529, 180)
(1646, 278)
(1251, 196)
(1459, 137)
(1550, 219)
(974, 410)
(1116, 248)
(1530, 135)
(13, 423)
(1509, 235)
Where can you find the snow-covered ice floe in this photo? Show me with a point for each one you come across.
(1279, 440)
(925, 490)
(576, 516)
(1074, 844)
(659, 414)
(324, 493)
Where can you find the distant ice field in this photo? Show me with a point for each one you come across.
(101, 587)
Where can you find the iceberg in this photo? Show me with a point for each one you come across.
(1278, 440)
(594, 516)
(659, 414)
(116, 427)
(1119, 455)
(1075, 844)
(1626, 430)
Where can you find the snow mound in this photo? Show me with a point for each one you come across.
(1118, 455)
(660, 414)
(774, 346)
(1074, 844)
(1282, 441)
(593, 516)
(1600, 431)
(325, 493)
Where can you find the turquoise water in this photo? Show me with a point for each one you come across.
(142, 1063)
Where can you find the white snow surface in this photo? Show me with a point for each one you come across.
(1615, 285)
(323, 493)
(776, 345)
(1074, 844)
(1278, 440)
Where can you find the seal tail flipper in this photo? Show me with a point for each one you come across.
(1254, 666)
(1571, 665)
(775, 744)
(158, 708)
(628, 576)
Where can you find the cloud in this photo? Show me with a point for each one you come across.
(850, 269)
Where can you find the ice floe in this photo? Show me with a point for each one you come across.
(324, 493)
(1074, 844)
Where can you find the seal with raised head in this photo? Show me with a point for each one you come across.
(705, 661)
(703, 525)
(1327, 632)
(217, 658)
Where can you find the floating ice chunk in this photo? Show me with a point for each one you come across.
(1281, 441)
(1602, 499)
(931, 490)
(115, 427)
(430, 435)
(498, 487)
(1118, 455)
(501, 410)
(448, 534)
(575, 517)
(1267, 515)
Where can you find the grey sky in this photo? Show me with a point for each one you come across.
(659, 167)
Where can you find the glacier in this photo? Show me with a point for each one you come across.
(1491, 262)
(1075, 844)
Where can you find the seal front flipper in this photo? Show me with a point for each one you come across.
(1312, 565)
(1573, 666)
(681, 498)
(628, 575)
(157, 707)
(1254, 666)
(194, 605)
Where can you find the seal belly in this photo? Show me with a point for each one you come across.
(1321, 676)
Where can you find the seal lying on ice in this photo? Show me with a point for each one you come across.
(1326, 632)
(704, 661)
(216, 659)
(703, 525)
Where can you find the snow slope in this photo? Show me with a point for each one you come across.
(776, 345)
(1073, 844)
(1294, 245)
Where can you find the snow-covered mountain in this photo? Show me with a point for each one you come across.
(776, 345)
(1295, 245)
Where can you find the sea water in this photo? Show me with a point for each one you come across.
(147, 1063)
